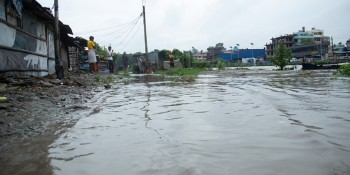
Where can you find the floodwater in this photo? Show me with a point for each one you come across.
(291, 122)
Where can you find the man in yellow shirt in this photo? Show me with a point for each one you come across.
(92, 55)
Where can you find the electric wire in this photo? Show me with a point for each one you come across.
(126, 33)
(102, 29)
(130, 30)
(132, 37)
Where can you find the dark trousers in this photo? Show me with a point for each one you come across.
(172, 65)
(111, 66)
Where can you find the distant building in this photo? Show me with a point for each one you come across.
(287, 40)
(214, 52)
(153, 58)
(243, 53)
(201, 56)
(310, 44)
(319, 37)
(303, 43)
(340, 50)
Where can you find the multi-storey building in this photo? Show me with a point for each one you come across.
(287, 40)
(200, 56)
(303, 43)
(318, 35)
(311, 43)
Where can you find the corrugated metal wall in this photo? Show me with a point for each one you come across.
(26, 45)
(243, 53)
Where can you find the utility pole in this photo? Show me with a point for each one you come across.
(58, 61)
(321, 49)
(333, 49)
(145, 33)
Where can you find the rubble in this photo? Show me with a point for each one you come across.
(30, 105)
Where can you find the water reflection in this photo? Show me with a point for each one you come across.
(251, 124)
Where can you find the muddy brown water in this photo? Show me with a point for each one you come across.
(284, 123)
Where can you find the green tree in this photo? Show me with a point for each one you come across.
(177, 53)
(345, 69)
(101, 51)
(220, 63)
(187, 59)
(282, 56)
(307, 41)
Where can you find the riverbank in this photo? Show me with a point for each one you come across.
(33, 105)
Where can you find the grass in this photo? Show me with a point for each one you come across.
(344, 69)
(186, 74)
(182, 71)
(105, 79)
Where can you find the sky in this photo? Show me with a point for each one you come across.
(183, 24)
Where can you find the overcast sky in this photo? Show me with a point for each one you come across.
(182, 24)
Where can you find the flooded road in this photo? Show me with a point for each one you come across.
(250, 122)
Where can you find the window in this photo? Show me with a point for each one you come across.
(12, 16)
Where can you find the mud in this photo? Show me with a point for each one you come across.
(34, 105)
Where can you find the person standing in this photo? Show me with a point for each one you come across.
(171, 59)
(92, 54)
(110, 60)
(125, 62)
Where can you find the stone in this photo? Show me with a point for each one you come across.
(3, 87)
(79, 106)
(56, 81)
(46, 84)
(6, 105)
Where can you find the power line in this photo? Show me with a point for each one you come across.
(125, 31)
(106, 28)
(130, 30)
(119, 30)
(132, 37)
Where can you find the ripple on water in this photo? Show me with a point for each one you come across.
(278, 124)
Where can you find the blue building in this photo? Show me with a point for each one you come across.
(243, 53)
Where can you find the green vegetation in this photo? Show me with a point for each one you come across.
(282, 56)
(344, 69)
(307, 41)
(220, 64)
(102, 52)
(325, 61)
(104, 79)
(201, 64)
(182, 72)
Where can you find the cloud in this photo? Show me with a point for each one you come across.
(185, 23)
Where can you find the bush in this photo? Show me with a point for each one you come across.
(201, 64)
(327, 61)
(345, 69)
(183, 71)
(220, 64)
